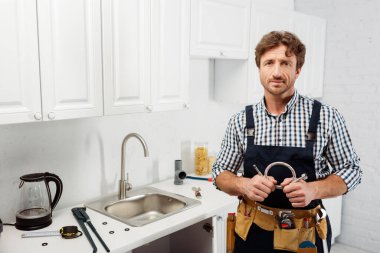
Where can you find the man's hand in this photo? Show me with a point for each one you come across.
(300, 193)
(258, 187)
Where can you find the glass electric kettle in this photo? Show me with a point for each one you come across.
(36, 204)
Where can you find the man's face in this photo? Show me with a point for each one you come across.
(278, 72)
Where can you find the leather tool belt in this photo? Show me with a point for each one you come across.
(301, 227)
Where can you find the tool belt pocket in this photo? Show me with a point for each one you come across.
(264, 218)
(289, 239)
(322, 229)
(244, 217)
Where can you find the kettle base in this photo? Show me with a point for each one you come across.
(33, 224)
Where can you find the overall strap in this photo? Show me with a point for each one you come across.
(311, 138)
(250, 125)
(314, 119)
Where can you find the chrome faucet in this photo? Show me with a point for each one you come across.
(124, 184)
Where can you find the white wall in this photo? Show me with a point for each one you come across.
(86, 153)
(352, 84)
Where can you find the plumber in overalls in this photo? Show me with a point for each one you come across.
(296, 152)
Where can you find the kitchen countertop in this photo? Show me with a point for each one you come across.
(213, 202)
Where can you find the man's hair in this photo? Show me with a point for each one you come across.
(278, 38)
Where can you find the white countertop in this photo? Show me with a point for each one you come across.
(213, 202)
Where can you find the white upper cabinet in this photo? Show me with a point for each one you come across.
(264, 22)
(170, 61)
(19, 72)
(287, 5)
(238, 81)
(126, 55)
(146, 55)
(220, 28)
(50, 64)
(70, 58)
(312, 32)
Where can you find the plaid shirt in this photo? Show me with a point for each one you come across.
(333, 150)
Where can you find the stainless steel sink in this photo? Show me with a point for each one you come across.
(143, 206)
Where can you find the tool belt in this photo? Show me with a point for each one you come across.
(290, 226)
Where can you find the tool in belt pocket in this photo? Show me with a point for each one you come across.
(286, 220)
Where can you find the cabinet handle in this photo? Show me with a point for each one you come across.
(208, 227)
(186, 106)
(51, 115)
(149, 108)
(37, 116)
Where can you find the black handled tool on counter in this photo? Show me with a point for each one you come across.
(82, 218)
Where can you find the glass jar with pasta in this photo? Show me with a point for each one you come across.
(201, 158)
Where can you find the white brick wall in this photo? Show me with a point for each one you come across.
(352, 84)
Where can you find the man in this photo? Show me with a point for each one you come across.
(296, 133)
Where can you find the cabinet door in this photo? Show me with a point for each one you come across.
(126, 54)
(70, 58)
(220, 28)
(334, 210)
(273, 4)
(238, 81)
(219, 241)
(244, 76)
(312, 32)
(170, 25)
(19, 67)
(219, 223)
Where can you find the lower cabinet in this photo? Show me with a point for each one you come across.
(198, 238)
(207, 236)
(333, 207)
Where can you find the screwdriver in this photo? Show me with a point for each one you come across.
(257, 170)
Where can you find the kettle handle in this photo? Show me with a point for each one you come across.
(50, 177)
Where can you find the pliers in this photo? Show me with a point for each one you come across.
(82, 218)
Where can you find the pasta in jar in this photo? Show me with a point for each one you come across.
(201, 159)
